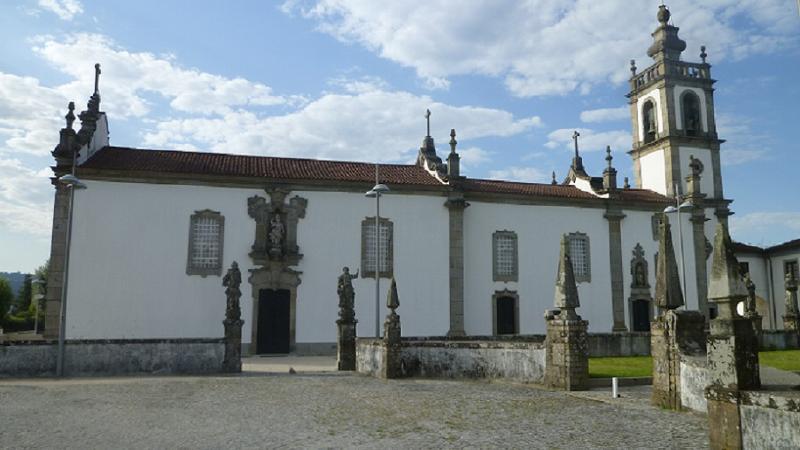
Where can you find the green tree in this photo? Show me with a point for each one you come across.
(6, 297)
(24, 294)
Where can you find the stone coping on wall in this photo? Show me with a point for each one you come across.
(117, 341)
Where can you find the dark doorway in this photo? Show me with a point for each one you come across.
(273, 321)
(641, 315)
(506, 315)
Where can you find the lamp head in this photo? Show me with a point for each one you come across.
(71, 180)
(670, 209)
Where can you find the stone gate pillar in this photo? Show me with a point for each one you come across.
(392, 367)
(673, 333)
(791, 319)
(567, 358)
(732, 348)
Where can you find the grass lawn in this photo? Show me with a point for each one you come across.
(781, 359)
(642, 366)
(625, 366)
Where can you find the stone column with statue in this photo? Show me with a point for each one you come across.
(567, 354)
(750, 304)
(346, 324)
(232, 361)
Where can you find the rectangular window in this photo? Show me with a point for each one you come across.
(504, 255)
(790, 266)
(368, 248)
(744, 268)
(580, 256)
(206, 231)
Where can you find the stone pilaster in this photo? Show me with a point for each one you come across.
(673, 334)
(791, 319)
(614, 217)
(732, 347)
(455, 205)
(58, 247)
(392, 367)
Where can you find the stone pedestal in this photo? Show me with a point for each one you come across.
(733, 354)
(232, 362)
(567, 360)
(673, 334)
(791, 322)
(392, 367)
(346, 348)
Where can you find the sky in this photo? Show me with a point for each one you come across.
(351, 80)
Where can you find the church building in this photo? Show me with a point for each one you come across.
(153, 231)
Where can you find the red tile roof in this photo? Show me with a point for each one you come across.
(197, 163)
(132, 160)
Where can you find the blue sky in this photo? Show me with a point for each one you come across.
(351, 79)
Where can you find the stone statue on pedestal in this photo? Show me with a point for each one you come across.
(346, 324)
(232, 361)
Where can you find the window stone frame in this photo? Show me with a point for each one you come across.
(205, 271)
(791, 261)
(369, 272)
(496, 276)
(582, 278)
(505, 293)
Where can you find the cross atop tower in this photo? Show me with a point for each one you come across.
(428, 119)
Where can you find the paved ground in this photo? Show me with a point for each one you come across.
(328, 410)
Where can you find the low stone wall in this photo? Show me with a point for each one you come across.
(770, 419)
(618, 344)
(779, 340)
(519, 359)
(694, 379)
(113, 357)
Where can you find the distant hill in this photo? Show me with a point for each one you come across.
(15, 279)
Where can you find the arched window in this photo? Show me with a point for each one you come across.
(691, 113)
(649, 120)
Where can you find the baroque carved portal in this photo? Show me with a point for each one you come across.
(640, 302)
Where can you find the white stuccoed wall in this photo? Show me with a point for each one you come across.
(539, 230)
(130, 241)
(653, 172)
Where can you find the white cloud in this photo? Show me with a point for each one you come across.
(25, 198)
(64, 9)
(590, 140)
(30, 115)
(765, 228)
(364, 126)
(543, 47)
(743, 143)
(605, 114)
(517, 173)
(359, 85)
(128, 76)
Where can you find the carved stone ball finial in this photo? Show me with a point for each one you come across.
(663, 14)
(703, 53)
(609, 158)
(453, 141)
(553, 181)
(70, 115)
(633, 67)
(627, 184)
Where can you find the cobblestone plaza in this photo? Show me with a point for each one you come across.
(330, 410)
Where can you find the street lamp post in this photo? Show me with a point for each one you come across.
(37, 298)
(377, 191)
(72, 182)
(677, 208)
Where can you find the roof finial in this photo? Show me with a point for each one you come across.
(453, 141)
(627, 185)
(703, 53)
(663, 14)
(428, 119)
(553, 181)
(608, 155)
(70, 115)
(97, 78)
(633, 67)
(575, 138)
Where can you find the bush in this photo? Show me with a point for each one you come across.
(17, 323)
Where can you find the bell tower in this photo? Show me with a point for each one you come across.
(672, 110)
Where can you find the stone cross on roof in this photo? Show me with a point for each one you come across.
(97, 78)
(428, 119)
(575, 138)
